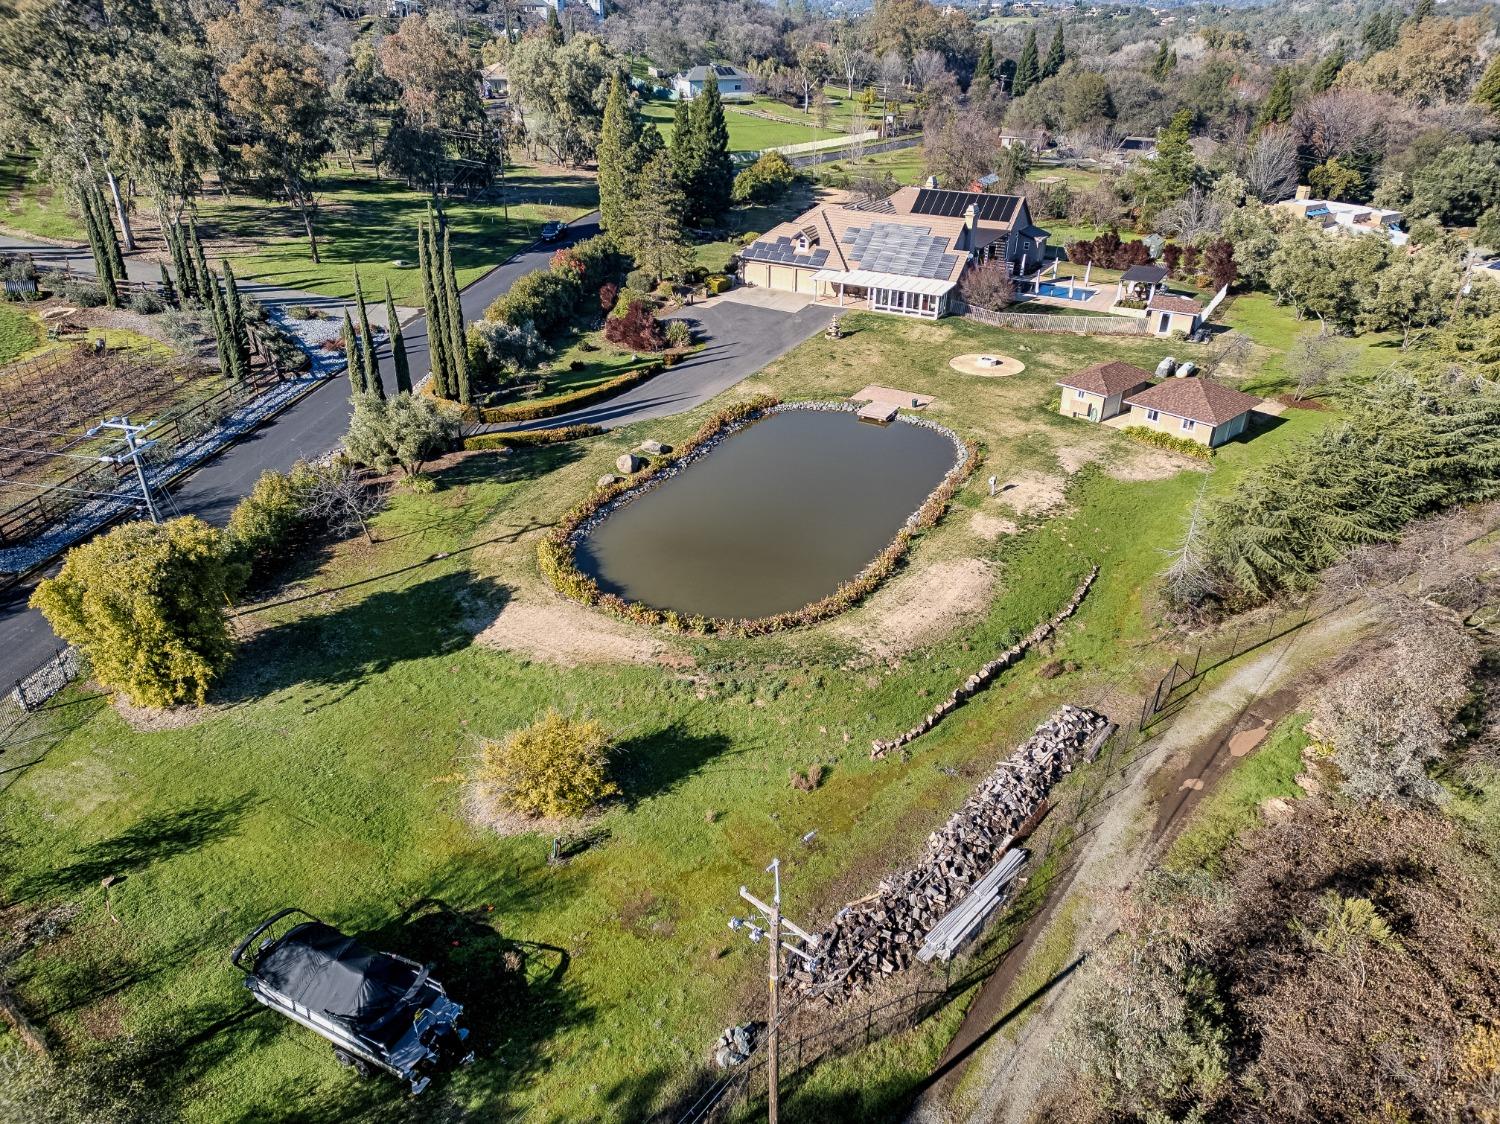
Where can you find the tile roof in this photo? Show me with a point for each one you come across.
(1200, 399)
(1107, 379)
(1167, 302)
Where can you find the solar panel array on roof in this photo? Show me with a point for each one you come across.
(953, 204)
(783, 251)
(911, 251)
(724, 71)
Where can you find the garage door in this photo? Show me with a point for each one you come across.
(757, 273)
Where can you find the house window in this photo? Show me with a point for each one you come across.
(1153, 415)
(1188, 424)
(1078, 393)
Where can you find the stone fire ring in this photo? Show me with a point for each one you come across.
(989, 365)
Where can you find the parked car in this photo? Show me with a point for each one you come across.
(379, 1010)
(552, 231)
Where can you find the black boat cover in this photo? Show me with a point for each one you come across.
(323, 970)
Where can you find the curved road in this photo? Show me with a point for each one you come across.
(741, 338)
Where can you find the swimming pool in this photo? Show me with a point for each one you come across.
(1067, 293)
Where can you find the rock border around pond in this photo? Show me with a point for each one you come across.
(557, 552)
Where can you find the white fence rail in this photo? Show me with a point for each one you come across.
(1044, 322)
(1218, 299)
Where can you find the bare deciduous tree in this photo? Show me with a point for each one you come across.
(1315, 360)
(1268, 165)
(1196, 215)
(341, 499)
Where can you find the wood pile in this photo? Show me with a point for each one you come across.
(879, 935)
(981, 678)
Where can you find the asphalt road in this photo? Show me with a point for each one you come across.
(310, 428)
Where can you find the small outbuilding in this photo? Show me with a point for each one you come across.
(1168, 313)
(1098, 392)
(1140, 282)
(1194, 408)
(731, 81)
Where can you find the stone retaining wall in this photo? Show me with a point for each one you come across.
(981, 678)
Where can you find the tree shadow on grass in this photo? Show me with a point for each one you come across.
(156, 837)
(331, 654)
(656, 763)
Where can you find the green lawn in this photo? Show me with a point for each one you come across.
(30, 206)
(369, 223)
(904, 165)
(327, 773)
(747, 133)
(19, 332)
(1273, 328)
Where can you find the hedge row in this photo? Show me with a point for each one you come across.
(1154, 437)
(531, 411)
(555, 552)
(529, 438)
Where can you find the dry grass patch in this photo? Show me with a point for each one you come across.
(556, 631)
(925, 604)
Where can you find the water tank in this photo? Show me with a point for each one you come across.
(1187, 370)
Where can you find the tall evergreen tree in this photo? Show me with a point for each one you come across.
(713, 190)
(435, 318)
(1327, 70)
(399, 360)
(1057, 54)
(104, 269)
(1379, 32)
(1487, 92)
(1424, 10)
(204, 280)
(458, 349)
(111, 240)
(186, 290)
(223, 342)
(352, 359)
(1278, 106)
(984, 70)
(234, 322)
(1164, 62)
(1029, 69)
(168, 290)
(371, 361)
(625, 144)
(554, 27)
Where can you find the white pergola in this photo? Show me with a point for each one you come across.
(889, 292)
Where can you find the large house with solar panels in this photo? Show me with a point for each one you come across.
(904, 254)
(731, 80)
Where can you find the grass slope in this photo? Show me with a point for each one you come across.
(31, 206)
(19, 333)
(327, 774)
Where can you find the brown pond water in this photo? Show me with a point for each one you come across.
(778, 516)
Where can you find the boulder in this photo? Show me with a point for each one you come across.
(607, 479)
(627, 463)
(655, 448)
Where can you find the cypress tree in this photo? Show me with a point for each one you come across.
(984, 70)
(371, 362)
(1029, 69)
(435, 320)
(1165, 60)
(1487, 91)
(186, 289)
(234, 319)
(398, 345)
(459, 352)
(107, 229)
(1056, 54)
(351, 357)
(204, 280)
(103, 267)
(554, 28)
(222, 339)
(713, 191)
(168, 292)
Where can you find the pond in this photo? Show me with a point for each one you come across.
(779, 515)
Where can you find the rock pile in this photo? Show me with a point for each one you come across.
(981, 678)
(878, 936)
(736, 1044)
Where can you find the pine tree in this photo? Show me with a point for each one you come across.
(204, 280)
(1326, 71)
(1029, 69)
(168, 291)
(554, 28)
(398, 345)
(1056, 54)
(435, 335)
(984, 71)
(1164, 63)
(712, 192)
(234, 320)
(352, 360)
(458, 350)
(1380, 32)
(371, 361)
(1487, 92)
(1278, 104)
(625, 144)
(1424, 10)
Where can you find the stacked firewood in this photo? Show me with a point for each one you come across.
(878, 936)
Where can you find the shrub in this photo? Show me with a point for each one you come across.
(531, 411)
(679, 333)
(719, 283)
(765, 180)
(641, 280)
(145, 603)
(988, 286)
(85, 294)
(263, 524)
(627, 297)
(531, 438)
(301, 312)
(608, 293)
(183, 329)
(548, 299)
(502, 350)
(1109, 252)
(637, 330)
(146, 304)
(407, 430)
(1185, 445)
(555, 767)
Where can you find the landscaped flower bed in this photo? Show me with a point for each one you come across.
(556, 553)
